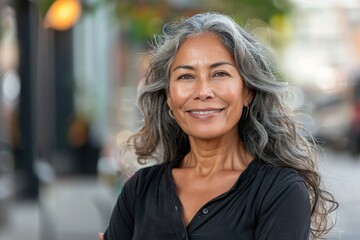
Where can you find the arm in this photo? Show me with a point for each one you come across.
(121, 224)
(285, 214)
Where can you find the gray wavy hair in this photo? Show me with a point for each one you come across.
(269, 131)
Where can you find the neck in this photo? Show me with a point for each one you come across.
(210, 156)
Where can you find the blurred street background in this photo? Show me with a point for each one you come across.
(69, 72)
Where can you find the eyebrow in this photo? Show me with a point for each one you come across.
(214, 65)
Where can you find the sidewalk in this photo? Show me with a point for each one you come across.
(72, 208)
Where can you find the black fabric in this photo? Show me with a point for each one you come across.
(266, 202)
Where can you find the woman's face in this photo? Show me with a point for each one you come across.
(206, 92)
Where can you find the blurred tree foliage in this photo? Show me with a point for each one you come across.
(146, 17)
(44, 6)
(143, 18)
(260, 9)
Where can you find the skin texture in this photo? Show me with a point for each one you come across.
(204, 77)
(206, 96)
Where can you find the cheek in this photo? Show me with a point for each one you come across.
(178, 95)
(233, 93)
(234, 96)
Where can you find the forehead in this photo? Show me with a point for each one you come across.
(206, 46)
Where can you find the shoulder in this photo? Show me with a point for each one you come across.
(276, 176)
(146, 176)
(142, 182)
(275, 183)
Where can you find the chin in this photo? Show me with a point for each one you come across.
(207, 135)
(211, 132)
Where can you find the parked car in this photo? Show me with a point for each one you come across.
(332, 117)
(354, 130)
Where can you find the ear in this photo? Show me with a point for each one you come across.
(248, 96)
(169, 102)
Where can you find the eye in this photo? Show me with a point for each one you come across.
(221, 74)
(185, 77)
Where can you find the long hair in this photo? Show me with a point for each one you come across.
(270, 130)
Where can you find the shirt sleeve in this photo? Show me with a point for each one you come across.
(285, 214)
(121, 226)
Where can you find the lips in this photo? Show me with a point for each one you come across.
(205, 113)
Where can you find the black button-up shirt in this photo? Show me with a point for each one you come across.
(266, 202)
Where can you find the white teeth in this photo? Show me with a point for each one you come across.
(205, 112)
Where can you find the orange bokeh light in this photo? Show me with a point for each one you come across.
(63, 14)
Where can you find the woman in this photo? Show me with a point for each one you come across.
(235, 164)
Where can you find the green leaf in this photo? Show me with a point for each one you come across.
(44, 6)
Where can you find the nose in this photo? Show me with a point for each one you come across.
(204, 90)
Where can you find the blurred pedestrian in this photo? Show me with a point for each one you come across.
(84, 151)
(234, 163)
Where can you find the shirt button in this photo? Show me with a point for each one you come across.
(183, 235)
(176, 208)
(205, 211)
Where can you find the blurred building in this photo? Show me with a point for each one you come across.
(68, 93)
(321, 59)
(9, 101)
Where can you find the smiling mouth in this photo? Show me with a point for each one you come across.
(206, 112)
(203, 114)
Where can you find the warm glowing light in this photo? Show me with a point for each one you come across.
(63, 14)
(329, 79)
